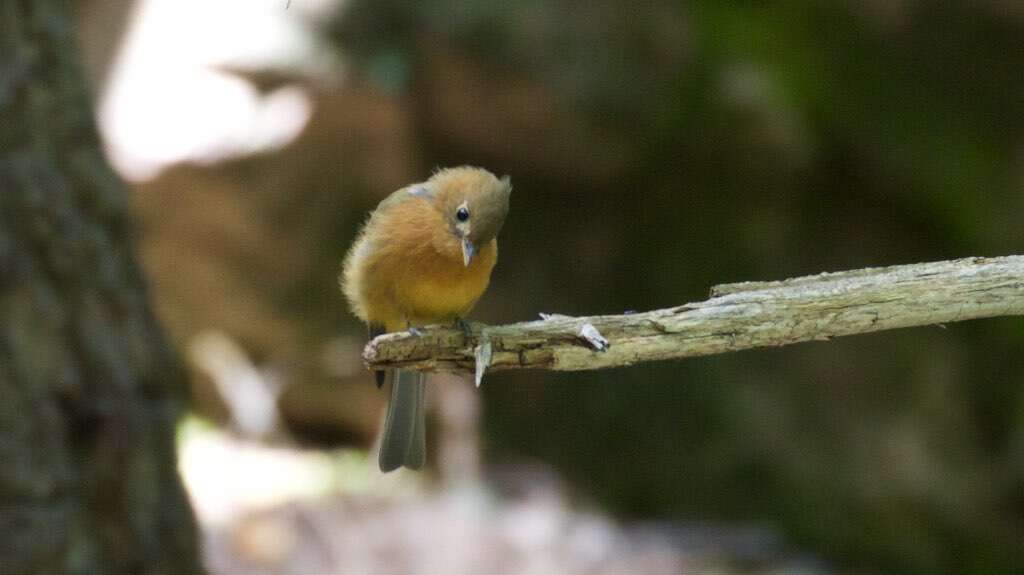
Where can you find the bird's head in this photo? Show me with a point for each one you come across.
(472, 201)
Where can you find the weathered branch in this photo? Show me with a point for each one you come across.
(736, 317)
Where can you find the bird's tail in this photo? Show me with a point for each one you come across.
(404, 441)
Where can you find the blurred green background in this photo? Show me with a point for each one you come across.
(657, 149)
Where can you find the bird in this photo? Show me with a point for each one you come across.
(424, 256)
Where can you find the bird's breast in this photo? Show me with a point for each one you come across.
(438, 288)
(407, 269)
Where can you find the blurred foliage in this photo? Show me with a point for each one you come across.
(687, 144)
(657, 149)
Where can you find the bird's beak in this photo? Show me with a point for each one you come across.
(468, 251)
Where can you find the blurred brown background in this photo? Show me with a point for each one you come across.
(656, 149)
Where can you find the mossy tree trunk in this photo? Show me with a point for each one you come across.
(88, 385)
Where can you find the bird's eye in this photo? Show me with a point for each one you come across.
(462, 214)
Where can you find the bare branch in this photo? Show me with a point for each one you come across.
(736, 317)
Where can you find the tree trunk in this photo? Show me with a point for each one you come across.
(89, 390)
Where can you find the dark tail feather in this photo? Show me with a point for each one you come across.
(404, 441)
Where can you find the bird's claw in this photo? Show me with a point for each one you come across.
(415, 331)
(464, 326)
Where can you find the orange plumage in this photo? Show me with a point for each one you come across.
(424, 256)
(407, 269)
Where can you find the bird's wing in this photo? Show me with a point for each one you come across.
(420, 190)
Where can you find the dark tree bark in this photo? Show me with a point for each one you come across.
(88, 385)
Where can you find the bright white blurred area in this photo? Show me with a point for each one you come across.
(228, 477)
(278, 510)
(175, 93)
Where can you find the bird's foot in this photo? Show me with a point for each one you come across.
(464, 326)
(415, 331)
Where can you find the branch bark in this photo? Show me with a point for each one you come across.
(736, 317)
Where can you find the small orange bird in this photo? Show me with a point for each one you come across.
(424, 256)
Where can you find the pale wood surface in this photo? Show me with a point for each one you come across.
(736, 317)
